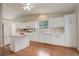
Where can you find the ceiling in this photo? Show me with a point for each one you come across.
(11, 10)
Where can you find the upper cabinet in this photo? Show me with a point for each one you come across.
(56, 22)
(43, 24)
(26, 25)
(30, 24)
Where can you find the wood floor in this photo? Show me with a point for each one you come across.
(39, 49)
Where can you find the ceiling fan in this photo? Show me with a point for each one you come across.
(27, 6)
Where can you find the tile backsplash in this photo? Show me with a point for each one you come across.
(60, 29)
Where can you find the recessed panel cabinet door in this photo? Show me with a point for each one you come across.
(30, 24)
(41, 37)
(47, 38)
(61, 22)
(70, 30)
(35, 37)
(58, 38)
(26, 25)
(56, 22)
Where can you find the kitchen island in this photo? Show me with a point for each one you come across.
(19, 42)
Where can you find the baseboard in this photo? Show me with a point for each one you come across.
(54, 44)
(4, 45)
(1, 45)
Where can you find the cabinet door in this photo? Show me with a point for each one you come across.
(52, 22)
(41, 38)
(26, 25)
(35, 37)
(70, 30)
(19, 25)
(30, 24)
(61, 22)
(56, 22)
(47, 38)
(58, 38)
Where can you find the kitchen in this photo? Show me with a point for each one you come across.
(54, 32)
(58, 29)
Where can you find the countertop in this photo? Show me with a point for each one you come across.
(19, 35)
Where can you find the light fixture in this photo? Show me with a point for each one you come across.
(27, 6)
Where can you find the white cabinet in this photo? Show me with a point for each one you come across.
(43, 24)
(70, 30)
(58, 38)
(56, 22)
(21, 25)
(35, 37)
(63, 32)
(13, 28)
(42, 37)
(47, 38)
(30, 24)
(26, 25)
(18, 43)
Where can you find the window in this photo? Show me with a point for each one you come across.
(43, 24)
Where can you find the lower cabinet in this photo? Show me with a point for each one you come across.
(35, 37)
(42, 37)
(49, 38)
(58, 39)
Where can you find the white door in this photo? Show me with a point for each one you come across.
(6, 33)
(70, 30)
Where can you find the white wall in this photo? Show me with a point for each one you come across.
(33, 17)
(77, 13)
(9, 11)
(7, 30)
(12, 10)
(6, 33)
(1, 25)
(12, 13)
